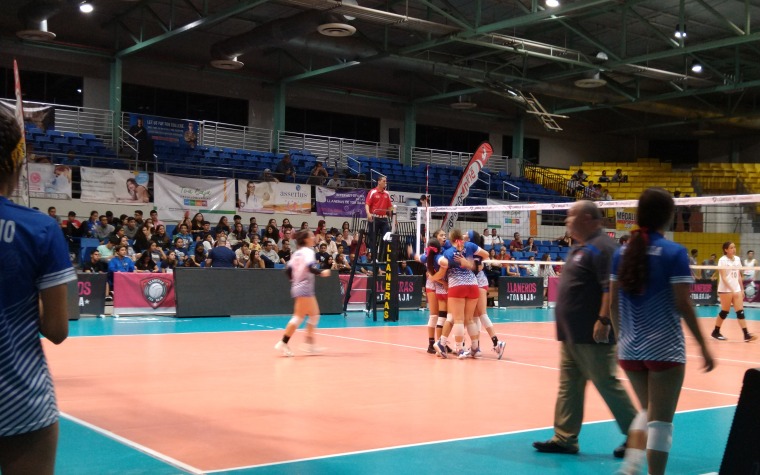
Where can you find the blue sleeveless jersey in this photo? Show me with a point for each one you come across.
(34, 257)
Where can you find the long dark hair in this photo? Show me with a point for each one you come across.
(655, 212)
(433, 249)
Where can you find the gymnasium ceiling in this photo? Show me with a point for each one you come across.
(612, 63)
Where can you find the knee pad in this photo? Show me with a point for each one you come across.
(660, 436)
(313, 320)
(432, 319)
(450, 318)
(740, 314)
(441, 318)
(472, 330)
(640, 422)
(485, 321)
(297, 321)
(477, 323)
(458, 330)
(723, 314)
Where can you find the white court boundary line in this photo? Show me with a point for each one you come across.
(140, 448)
(423, 444)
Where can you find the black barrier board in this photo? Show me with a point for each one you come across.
(91, 295)
(704, 292)
(521, 291)
(72, 300)
(410, 289)
(215, 292)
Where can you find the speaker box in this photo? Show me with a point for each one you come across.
(742, 455)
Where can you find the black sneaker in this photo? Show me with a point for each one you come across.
(431, 350)
(619, 451)
(750, 337)
(554, 447)
(716, 334)
(449, 350)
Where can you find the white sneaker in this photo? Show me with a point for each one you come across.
(282, 346)
(476, 354)
(499, 349)
(312, 349)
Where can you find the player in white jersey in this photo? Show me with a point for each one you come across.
(34, 275)
(480, 318)
(302, 267)
(731, 291)
(435, 292)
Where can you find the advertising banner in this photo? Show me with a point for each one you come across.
(469, 177)
(704, 292)
(102, 185)
(271, 197)
(409, 290)
(49, 181)
(521, 291)
(625, 220)
(92, 293)
(752, 292)
(175, 195)
(143, 293)
(509, 222)
(344, 203)
(173, 131)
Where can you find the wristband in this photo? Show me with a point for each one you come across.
(604, 321)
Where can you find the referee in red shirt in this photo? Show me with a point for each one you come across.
(379, 208)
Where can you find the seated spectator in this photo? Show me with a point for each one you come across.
(222, 225)
(335, 182)
(531, 270)
(285, 251)
(579, 176)
(604, 178)
(618, 177)
(237, 237)
(606, 196)
(208, 243)
(322, 255)
(182, 247)
(332, 245)
(131, 229)
(156, 253)
(492, 238)
(255, 243)
(284, 170)
(341, 265)
(95, 264)
(565, 241)
(196, 226)
(107, 250)
(103, 229)
(546, 271)
(558, 268)
(253, 231)
(205, 232)
(266, 175)
(162, 240)
(88, 227)
(226, 239)
(318, 175)
(404, 269)
(145, 263)
(72, 226)
(119, 263)
(255, 261)
(359, 269)
(516, 244)
(512, 269)
(154, 218)
(271, 233)
(143, 239)
(503, 254)
(221, 255)
(243, 254)
(170, 263)
(347, 239)
(285, 225)
(327, 263)
(269, 252)
(130, 250)
(186, 222)
(198, 259)
(492, 269)
(530, 246)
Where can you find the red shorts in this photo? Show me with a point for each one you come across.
(647, 365)
(464, 292)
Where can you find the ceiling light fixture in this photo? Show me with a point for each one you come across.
(680, 33)
(552, 3)
(86, 7)
(696, 67)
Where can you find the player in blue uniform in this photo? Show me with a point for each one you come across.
(649, 295)
(302, 267)
(33, 300)
(436, 292)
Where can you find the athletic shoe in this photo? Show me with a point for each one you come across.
(312, 349)
(282, 346)
(619, 451)
(554, 447)
(717, 335)
(440, 349)
(499, 349)
(431, 349)
(477, 354)
(463, 354)
(750, 337)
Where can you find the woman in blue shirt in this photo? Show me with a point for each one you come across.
(33, 300)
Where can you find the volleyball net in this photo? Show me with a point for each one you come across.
(701, 224)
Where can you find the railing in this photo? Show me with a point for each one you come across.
(218, 134)
(547, 179)
(335, 150)
(81, 120)
(429, 156)
(509, 191)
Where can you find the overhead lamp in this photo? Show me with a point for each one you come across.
(552, 3)
(696, 67)
(86, 7)
(680, 31)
